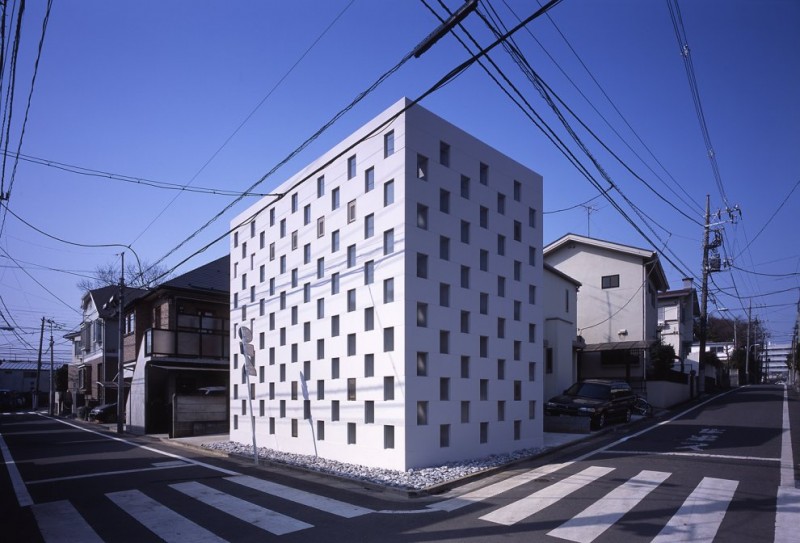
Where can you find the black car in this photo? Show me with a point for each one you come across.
(600, 399)
(106, 412)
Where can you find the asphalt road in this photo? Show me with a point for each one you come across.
(721, 471)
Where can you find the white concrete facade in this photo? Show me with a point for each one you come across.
(392, 298)
(676, 311)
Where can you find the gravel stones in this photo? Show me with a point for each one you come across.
(413, 479)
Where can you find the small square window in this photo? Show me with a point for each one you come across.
(610, 281)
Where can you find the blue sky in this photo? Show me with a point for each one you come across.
(215, 94)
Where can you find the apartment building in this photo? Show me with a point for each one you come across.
(391, 292)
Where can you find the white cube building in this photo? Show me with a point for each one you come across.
(391, 292)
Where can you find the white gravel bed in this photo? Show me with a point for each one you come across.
(413, 479)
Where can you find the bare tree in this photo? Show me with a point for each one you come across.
(108, 274)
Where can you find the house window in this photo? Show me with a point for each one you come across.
(388, 144)
(388, 339)
(369, 179)
(369, 319)
(351, 389)
(444, 295)
(388, 388)
(351, 299)
(351, 167)
(294, 202)
(272, 216)
(351, 255)
(388, 290)
(294, 240)
(351, 211)
(422, 265)
(444, 154)
(369, 272)
(422, 413)
(484, 174)
(464, 276)
(334, 241)
(320, 267)
(351, 344)
(444, 342)
(517, 191)
(422, 167)
(388, 241)
(484, 217)
(422, 216)
(422, 364)
(422, 314)
(283, 228)
(335, 198)
(388, 437)
(307, 214)
(369, 412)
(444, 201)
(369, 226)
(501, 204)
(388, 193)
(335, 283)
(610, 281)
(465, 232)
(465, 187)
(464, 322)
(320, 186)
(369, 365)
(320, 227)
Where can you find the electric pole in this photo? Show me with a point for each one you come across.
(701, 365)
(120, 378)
(52, 377)
(35, 399)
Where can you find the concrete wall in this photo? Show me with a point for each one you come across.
(560, 332)
(664, 394)
(199, 415)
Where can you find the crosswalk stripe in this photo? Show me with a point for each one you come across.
(532, 504)
(266, 519)
(162, 521)
(494, 489)
(598, 517)
(328, 505)
(701, 514)
(59, 522)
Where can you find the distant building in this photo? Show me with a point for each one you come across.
(773, 361)
(392, 295)
(18, 383)
(676, 312)
(561, 342)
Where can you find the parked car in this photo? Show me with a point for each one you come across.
(106, 412)
(599, 399)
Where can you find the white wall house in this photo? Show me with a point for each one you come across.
(560, 308)
(392, 296)
(676, 312)
(617, 311)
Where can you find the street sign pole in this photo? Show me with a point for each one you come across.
(249, 352)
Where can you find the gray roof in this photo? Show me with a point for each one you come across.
(214, 276)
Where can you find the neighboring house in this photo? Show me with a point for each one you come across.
(773, 360)
(676, 312)
(617, 309)
(176, 342)
(77, 399)
(561, 342)
(391, 292)
(18, 382)
(99, 337)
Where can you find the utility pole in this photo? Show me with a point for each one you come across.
(747, 354)
(121, 317)
(701, 365)
(35, 399)
(52, 377)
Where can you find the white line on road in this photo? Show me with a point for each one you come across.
(266, 519)
(602, 514)
(788, 504)
(172, 465)
(329, 505)
(493, 490)
(700, 516)
(60, 522)
(697, 455)
(23, 497)
(532, 504)
(161, 520)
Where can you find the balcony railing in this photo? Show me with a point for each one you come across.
(188, 344)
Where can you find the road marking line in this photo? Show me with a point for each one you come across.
(108, 473)
(60, 522)
(788, 495)
(144, 447)
(23, 497)
(329, 505)
(532, 504)
(494, 489)
(699, 455)
(700, 516)
(601, 515)
(266, 519)
(162, 521)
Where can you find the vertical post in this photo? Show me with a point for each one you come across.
(52, 377)
(35, 399)
(701, 366)
(121, 317)
(747, 353)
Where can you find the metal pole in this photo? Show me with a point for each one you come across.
(35, 399)
(701, 365)
(747, 354)
(52, 390)
(252, 417)
(120, 379)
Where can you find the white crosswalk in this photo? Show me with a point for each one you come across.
(698, 519)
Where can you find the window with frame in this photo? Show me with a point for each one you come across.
(320, 227)
(351, 211)
(334, 241)
(351, 255)
(422, 265)
(388, 144)
(609, 281)
(422, 216)
(320, 267)
(422, 314)
(422, 413)
(444, 248)
(351, 344)
(444, 201)
(484, 174)
(484, 217)
(465, 232)
(369, 225)
(306, 253)
(369, 272)
(388, 290)
(422, 167)
(369, 179)
(444, 154)
(422, 364)
(465, 187)
(335, 283)
(444, 295)
(388, 339)
(517, 191)
(501, 204)
(464, 322)
(335, 198)
(320, 186)
(388, 241)
(282, 228)
(294, 202)
(272, 216)
(444, 341)
(351, 167)
(351, 300)
(464, 276)
(306, 214)
(388, 193)
(369, 319)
